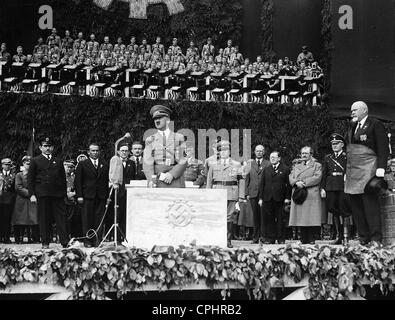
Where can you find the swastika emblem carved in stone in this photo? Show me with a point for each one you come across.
(180, 213)
(138, 8)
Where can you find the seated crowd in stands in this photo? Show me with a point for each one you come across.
(154, 56)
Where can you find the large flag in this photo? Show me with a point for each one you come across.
(30, 148)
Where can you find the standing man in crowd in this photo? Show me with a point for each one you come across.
(46, 181)
(137, 160)
(91, 185)
(253, 178)
(7, 199)
(194, 171)
(72, 216)
(225, 174)
(367, 155)
(274, 192)
(164, 153)
(129, 173)
(307, 214)
(332, 184)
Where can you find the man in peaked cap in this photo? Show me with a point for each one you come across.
(226, 174)
(47, 187)
(332, 185)
(164, 153)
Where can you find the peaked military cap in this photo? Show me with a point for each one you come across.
(159, 111)
(46, 140)
(6, 161)
(335, 137)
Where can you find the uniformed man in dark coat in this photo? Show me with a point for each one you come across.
(47, 186)
(332, 184)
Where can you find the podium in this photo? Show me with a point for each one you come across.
(175, 216)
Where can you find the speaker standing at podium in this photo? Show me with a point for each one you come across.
(164, 152)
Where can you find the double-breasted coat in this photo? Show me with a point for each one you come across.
(309, 213)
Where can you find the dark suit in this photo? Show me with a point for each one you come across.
(7, 200)
(129, 173)
(46, 179)
(253, 179)
(273, 190)
(367, 150)
(138, 168)
(91, 184)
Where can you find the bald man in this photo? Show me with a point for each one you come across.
(367, 154)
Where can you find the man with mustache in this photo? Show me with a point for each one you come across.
(367, 155)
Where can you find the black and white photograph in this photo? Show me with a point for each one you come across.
(192, 156)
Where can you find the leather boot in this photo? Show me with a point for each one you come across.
(338, 229)
(230, 234)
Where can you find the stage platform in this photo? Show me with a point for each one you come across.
(56, 292)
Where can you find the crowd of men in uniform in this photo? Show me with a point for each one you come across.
(110, 60)
(259, 191)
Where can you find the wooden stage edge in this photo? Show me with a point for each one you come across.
(60, 293)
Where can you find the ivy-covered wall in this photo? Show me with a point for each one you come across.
(75, 121)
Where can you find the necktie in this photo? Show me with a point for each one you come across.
(95, 163)
(359, 127)
(124, 163)
(137, 164)
(275, 168)
(259, 163)
(49, 157)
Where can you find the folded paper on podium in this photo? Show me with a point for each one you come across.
(175, 216)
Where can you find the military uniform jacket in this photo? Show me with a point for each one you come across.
(7, 188)
(195, 172)
(159, 158)
(91, 183)
(226, 176)
(46, 178)
(333, 171)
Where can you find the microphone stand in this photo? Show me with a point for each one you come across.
(115, 225)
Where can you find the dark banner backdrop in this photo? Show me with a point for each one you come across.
(297, 23)
(363, 58)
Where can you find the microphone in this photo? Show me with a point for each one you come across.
(115, 174)
(126, 136)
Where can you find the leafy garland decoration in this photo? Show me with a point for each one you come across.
(332, 272)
